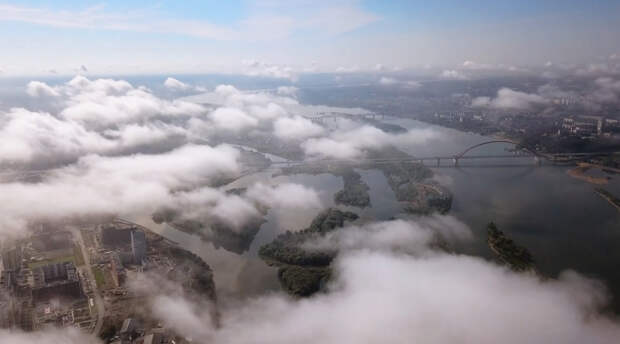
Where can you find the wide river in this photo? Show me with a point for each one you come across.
(561, 220)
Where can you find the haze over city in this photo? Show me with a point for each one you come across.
(309, 171)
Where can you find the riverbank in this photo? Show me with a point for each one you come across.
(580, 171)
(609, 197)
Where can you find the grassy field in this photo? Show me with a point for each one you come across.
(79, 258)
(99, 277)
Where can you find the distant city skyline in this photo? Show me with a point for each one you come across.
(280, 38)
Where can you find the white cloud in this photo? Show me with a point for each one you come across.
(40, 89)
(478, 66)
(452, 74)
(289, 91)
(101, 116)
(296, 128)
(29, 136)
(257, 68)
(331, 148)
(267, 112)
(232, 119)
(108, 130)
(468, 63)
(350, 69)
(227, 95)
(387, 81)
(417, 294)
(175, 84)
(510, 99)
(105, 102)
(184, 313)
(183, 316)
(410, 84)
(133, 135)
(390, 284)
(126, 185)
(207, 204)
(350, 144)
(285, 196)
(397, 235)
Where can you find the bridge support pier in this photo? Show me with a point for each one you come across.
(537, 161)
(456, 161)
(438, 162)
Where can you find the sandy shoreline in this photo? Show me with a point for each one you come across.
(579, 172)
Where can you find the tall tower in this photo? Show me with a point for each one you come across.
(138, 246)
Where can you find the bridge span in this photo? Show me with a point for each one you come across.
(8, 176)
(520, 152)
(438, 160)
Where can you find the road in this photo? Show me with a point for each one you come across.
(93, 283)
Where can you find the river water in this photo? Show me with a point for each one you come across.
(561, 220)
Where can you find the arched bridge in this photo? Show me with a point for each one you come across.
(538, 156)
(531, 151)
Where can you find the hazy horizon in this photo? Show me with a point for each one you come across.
(279, 39)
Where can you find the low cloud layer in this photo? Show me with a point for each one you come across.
(285, 197)
(416, 293)
(258, 68)
(510, 99)
(117, 149)
(352, 143)
(296, 128)
(453, 74)
(107, 147)
(594, 94)
(113, 185)
(175, 84)
(407, 84)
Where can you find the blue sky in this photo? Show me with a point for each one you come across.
(233, 36)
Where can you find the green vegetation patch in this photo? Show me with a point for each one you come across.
(79, 256)
(303, 281)
(518, 258)
(99, 277)
(355, 192)
(303, 272)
